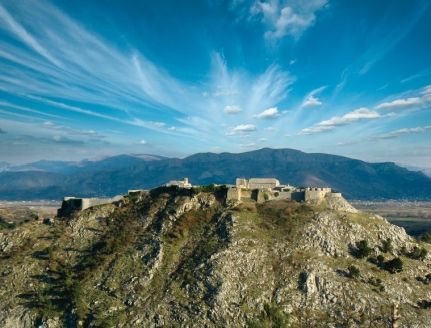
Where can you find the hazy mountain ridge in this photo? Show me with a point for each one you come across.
(356, 179)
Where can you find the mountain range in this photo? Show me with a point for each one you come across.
(356, 179)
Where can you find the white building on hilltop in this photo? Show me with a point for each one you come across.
(179, 183)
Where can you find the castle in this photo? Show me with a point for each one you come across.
(258, 189)
(263, 189)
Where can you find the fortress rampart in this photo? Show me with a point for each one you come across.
(74, 204)
(263, 189)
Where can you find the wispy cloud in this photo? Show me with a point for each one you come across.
(400, 103)
(232, 109)
(311, 99)
(416, 99)
(359, 114)
(21, 33)
(403, 132)
(121, 85)
(388, 135)
(74, 132)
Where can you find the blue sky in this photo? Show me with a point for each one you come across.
(85, 79)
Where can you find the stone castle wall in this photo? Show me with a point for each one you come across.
(72, 204)
(315, 194)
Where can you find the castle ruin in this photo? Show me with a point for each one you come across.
(262, 189)
(75, 204)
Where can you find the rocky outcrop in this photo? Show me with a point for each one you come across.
(177, 258)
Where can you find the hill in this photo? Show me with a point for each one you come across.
(356, 179)
(171, 258)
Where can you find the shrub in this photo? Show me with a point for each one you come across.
(395, 265)
(353, 272)
(387, 246)
(425, 280)
(380, 259)
(376, 282)
(271, 316)
(362, 249)
(418, 253)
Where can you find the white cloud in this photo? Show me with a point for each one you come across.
(404, 131)
(242, 129)
(142, 142)
(311, 100)
(159, 124)
(289, 18)
(232, 109)
(271, 112)
(351, 117)
(400, 103)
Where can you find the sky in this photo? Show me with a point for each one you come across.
(87, 79)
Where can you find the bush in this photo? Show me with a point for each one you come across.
(353, 272)
(418, 253)
(376, 282)
(362, 249)
(425, 280)
(395, 265)
(271, 316)
(387, 246)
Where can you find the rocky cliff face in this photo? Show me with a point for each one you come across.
(179, 258)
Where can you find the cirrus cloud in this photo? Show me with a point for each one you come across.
(359, 114)
(400, 103)
(232, 109)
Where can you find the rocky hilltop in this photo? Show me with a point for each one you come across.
(174, 257)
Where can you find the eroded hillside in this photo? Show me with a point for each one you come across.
(174, 258)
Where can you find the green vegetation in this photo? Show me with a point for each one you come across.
(387, 246)
(393, 266)
(425, 280)
(353, 272)
(362, 250)
(417, 253)
(270, 317)
(6, 225)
